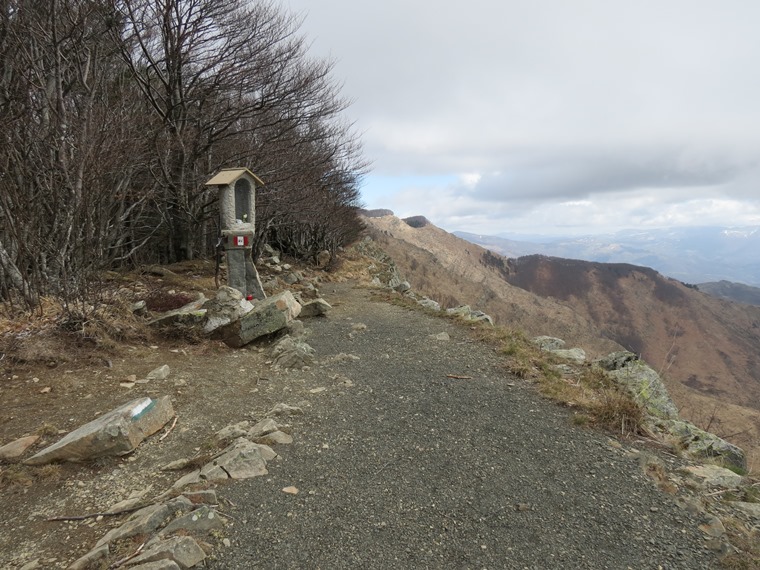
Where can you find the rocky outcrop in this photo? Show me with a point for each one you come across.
(642, 382)
(648, 389)
(118, 432)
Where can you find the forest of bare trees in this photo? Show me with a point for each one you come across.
(114, 113)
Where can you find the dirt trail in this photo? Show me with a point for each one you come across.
(400, 466)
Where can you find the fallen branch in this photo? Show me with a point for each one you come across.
(458, 377)
(174, 423)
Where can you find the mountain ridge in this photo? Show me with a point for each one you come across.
(706, 348)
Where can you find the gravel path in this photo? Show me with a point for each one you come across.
(410, 469)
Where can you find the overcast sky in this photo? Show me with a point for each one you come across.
(551, 116)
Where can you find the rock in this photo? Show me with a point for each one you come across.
(440, 336)
(118, 432)
(233, 431)
(191, 315)
(429, 304)
(462, 310)
(206, 496)
(144, 521)
(376, 282)
(160, 373)
(548, 343)
(292, 353)
(616, 360)
(275, 438)
(577, 355)
(33, 565)
(92, 559)
(402, 287)
(643, 383)
(290, 490)
(267, 317)
(323, 258)
(750, 509)
(480, 316)
(704, 445)
(285, 410)
(192, 478)
(130, 503)
(291, 278)
(139, 308)
(227, 306)
(714, 476)
(566, 370)
(17, 448)
(200, 520)
(183, 550)
(315, 308)
(241, 460)
(267, 452)
(466, 313)
(176, 465)
(263, 428)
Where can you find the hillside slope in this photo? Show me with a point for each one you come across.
(707, 349)
(738, 292)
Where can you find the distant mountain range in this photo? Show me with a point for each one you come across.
(691, 255)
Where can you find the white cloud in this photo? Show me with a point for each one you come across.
(641, 112)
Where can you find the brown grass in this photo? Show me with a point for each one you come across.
(747, 543)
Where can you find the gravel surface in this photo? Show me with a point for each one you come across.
(407, 468)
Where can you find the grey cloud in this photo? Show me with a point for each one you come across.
(575, 175)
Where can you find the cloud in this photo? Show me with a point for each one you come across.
(539, 104)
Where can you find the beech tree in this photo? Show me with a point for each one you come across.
(116, 112)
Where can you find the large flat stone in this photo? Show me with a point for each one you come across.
(115, 433)
(266, 317)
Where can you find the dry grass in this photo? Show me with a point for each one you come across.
(16, 475)
(747, 543)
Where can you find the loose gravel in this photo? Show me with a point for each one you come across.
(399, 466)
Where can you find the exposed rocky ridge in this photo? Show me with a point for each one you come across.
(706, 348)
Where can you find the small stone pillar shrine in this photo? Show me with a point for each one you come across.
(237, 211)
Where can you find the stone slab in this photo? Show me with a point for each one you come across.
(117, 432)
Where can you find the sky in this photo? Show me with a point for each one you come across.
(556, 117)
